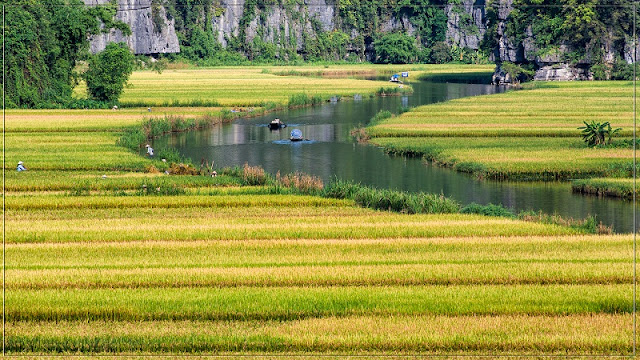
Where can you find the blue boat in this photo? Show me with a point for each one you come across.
(296, 135)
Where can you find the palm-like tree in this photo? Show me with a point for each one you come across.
(595, 133)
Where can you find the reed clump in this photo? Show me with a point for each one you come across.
(304, 183)
(253, 175)
(391, 200)
(304, 99)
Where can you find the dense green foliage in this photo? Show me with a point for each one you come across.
(516, 72)
(576, 31)
(44, 40)
(395, 48)
(357, 28)
(596, 133)
(108, 72)
(383, 199)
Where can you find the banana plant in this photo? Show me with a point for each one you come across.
(595, 133)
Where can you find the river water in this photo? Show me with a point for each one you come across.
(331, 152)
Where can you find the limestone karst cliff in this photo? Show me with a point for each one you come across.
(151, 31)
(347, 30)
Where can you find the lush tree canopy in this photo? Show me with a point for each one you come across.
(44, 39)
(395, 48)
(108, 72)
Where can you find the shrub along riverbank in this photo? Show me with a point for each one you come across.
(106, 255)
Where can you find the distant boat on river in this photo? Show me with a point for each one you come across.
(296, 135)
(276, 124)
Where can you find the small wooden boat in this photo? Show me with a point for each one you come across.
(277, 124)
(296, 135)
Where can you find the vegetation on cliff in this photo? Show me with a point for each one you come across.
(43, 42)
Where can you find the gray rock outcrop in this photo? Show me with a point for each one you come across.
(147, 36)
(466, 23)
(275, 24)
(507, 49)
(562, 72)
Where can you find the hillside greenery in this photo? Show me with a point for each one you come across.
(44, 41)
(592, 33)
(357, 29)
(45, 44)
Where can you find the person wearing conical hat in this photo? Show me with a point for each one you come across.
(21, 167)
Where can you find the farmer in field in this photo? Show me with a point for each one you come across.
(21, 167)
(149, 150)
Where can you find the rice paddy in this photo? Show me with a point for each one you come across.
(527, 134)
(233, 86)
(95, 266)
(215, 273)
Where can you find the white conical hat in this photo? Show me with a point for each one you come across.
(19, 162)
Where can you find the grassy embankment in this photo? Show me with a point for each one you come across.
(528, 134)
(96, 267)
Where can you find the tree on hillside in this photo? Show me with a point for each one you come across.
(395, 48)
(44, 40)
(109, 71)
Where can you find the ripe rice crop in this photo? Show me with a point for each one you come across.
(231, 86)
(527, 134)
(521, 158)
(363, 335)
(97, 266)
(293, 303)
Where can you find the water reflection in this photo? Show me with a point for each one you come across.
(332, 152)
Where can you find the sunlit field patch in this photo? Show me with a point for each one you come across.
(526, 134)
(99, 264)
(233, 86)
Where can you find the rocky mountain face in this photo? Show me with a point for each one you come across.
(151, 31)
(292, 23)
(466, 23)
(278, 23)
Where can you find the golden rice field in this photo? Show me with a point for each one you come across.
(94, 120)
(233, 86)
(215, 274)
(515, 157)
(518, 134)
(93, 267)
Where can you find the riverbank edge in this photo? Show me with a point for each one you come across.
(608, 187)
(434, 157)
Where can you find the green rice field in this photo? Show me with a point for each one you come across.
(525, 134)
(96, 266)
(622, 188)
(237, 86)
(209, 274)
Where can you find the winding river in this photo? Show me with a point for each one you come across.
(331, 152)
